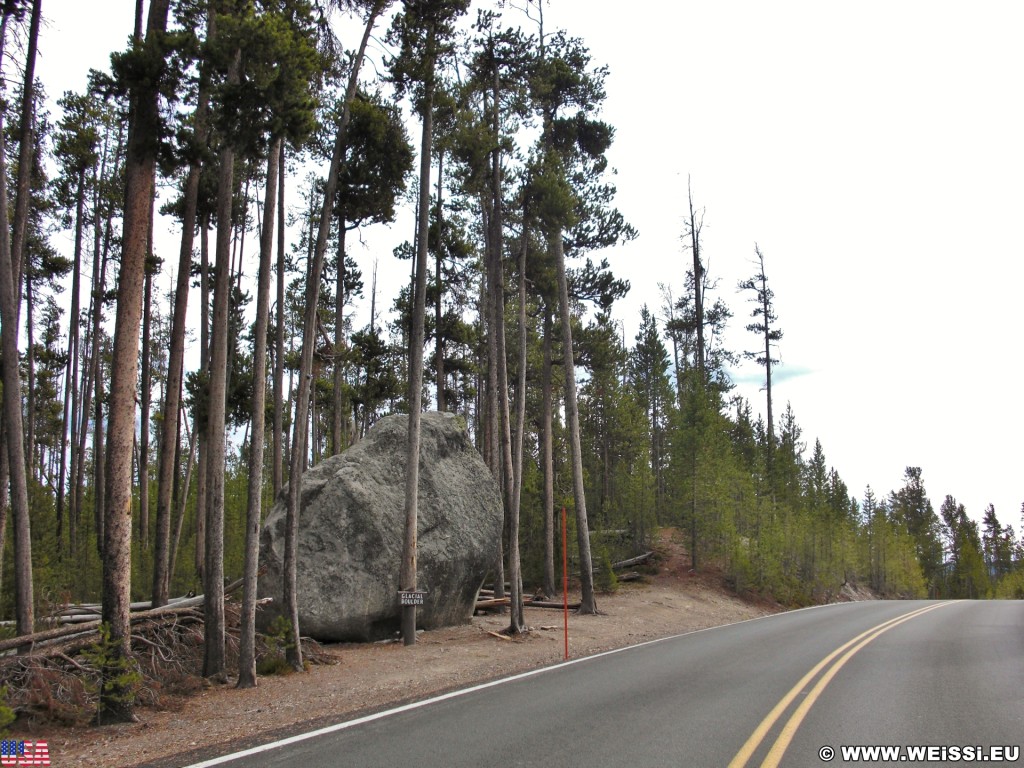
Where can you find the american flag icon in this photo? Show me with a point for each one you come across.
(20, 753)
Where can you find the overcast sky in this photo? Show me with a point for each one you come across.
(873, 150)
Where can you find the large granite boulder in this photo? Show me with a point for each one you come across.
(351, 525)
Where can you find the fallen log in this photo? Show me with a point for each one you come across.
(633, 561)
(493, 602)
(178, 607)
(75, 610)
(89, 611)
(549, 604)
(489, 590)
(69, 630)
(74, 618)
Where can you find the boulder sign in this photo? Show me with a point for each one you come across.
(351, 524)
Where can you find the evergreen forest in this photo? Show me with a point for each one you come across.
(158, 400)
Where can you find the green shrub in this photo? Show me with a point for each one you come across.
(119, 678)
(605, 579)
(278, 641)
(7, 715)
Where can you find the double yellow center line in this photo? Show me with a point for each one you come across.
(844, 653)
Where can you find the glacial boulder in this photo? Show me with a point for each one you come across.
(351, 525)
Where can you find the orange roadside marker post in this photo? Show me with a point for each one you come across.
(565, 583)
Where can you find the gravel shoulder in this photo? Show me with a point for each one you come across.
(361, 678)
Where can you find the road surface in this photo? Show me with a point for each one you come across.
(942, 682)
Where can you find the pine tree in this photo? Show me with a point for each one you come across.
(77, 146)
(967, 572)
(765, 326)
(312, 294)
(649, 363)
(140, 164)
(424, 33)
(171, 428)
(378, 161)
(913, 511)
(283, 90)
(228, 49)
(573, 212)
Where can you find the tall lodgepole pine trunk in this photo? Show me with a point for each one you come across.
(190, 465)
(91, 377)
(518, 623)
(13, 425)
(247, 641)
(99, 450)
(500, 361)
(492, 418)
(407, 572)
(140, 168)
(439, 293)
(70, 420)
(201, 430)
(30, 370)
(138, 19)
(338, 420)
(547, 458)
(298, 452)
(169, 442)
(214, 665)
(25, 151)
(588, 603)
(145, 394)
(278, 462)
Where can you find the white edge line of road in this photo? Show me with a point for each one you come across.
(480, 687)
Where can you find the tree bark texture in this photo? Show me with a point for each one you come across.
(175, 365)
(518, 623)
(338, 415)
(547, 458)
(13, 424)
(25, 152)
(199, 558)
(298, 453)
(279, 438)
(247, 641)
(407, 571)
(588, 602)
(213, 561)
(140, 168)
(145, 395)
(500, 363)
(70, 421)
(439, 294)
(492, 413)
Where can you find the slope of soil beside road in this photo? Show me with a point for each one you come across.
(366, 677)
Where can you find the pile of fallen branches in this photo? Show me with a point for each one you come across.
(84, 629)
(486, 600)
(58, 680)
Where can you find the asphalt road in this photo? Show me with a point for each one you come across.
(772, 691)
